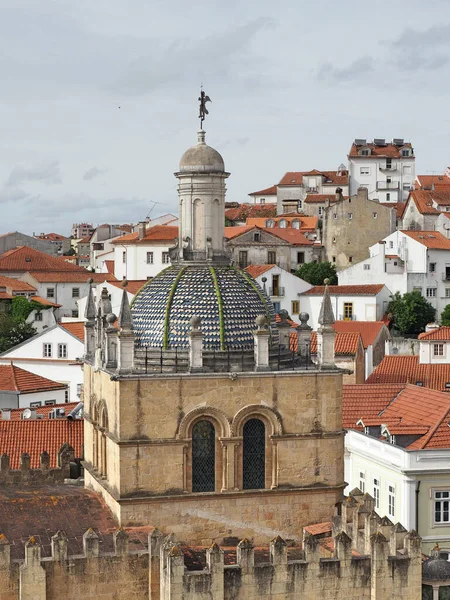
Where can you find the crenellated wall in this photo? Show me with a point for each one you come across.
(44, 475)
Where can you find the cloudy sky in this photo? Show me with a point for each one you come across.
(99, 98)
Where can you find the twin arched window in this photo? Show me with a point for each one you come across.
(204, 456)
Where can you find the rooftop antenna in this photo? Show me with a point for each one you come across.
(203, 99)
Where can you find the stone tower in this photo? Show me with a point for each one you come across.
(199, 419)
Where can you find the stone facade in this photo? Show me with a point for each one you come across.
(351, 225)
(138, 450)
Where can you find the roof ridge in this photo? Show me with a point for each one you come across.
(429, 435)
(16, 385)
(392, 400)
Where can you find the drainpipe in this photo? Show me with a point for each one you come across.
(417, 505)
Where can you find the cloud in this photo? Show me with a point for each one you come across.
(417, 50)
(437, 35)
(47, 173)
(10, 194)
(357, 69)
(93, 173)
(190, 59)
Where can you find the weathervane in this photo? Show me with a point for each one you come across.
(203, 99)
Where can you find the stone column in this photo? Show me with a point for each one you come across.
(261, 337)
(195, 346)
(33, 584)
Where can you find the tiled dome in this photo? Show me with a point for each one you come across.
(226, 299)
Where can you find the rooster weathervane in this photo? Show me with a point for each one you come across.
(203, 99)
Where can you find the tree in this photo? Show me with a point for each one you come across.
(315, 273)
(411, 312)
(13, 331)
(21, 307)
(70, 252)
(445, 316)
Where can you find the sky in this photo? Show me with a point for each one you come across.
(99, 99)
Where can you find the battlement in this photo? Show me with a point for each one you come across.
(329, 568)
(25, 475)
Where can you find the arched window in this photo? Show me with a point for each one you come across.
(270, 223)
(203, 457)
(295, 224)
(282, 223)
(254, 455)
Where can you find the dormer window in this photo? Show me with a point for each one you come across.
(419, 383)
(295, 224)
(405, 152)
(257, 236)
(364, 152)
(270, 223)
(438, 349)
(282, 223)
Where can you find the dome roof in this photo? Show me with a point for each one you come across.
(436, 569)
(201, 158)
(226, 299)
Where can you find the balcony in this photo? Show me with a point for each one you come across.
(388, 167)
(446, 276)
(388, 185)
(277, 292)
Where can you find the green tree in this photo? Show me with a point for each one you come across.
(13, 331)
(21, 307)
(70, 252)
(411, 312)
(315, 273)
(445, 316)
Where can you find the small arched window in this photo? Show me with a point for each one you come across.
(270, 223)
(254, 455)
(203, 457)
(295, 224)
(282, 223)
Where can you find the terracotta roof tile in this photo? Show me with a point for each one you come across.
(344, 343)
(430, 239)
(15, 379)
(426, 181)
(257, 270)
(44, 301)
(54, 237)
(291, 323)
(36, 435)
(347, 290)
(5, 296)
(270, 191)
(76, 328)
(133, 285)
(424, 200)
(15, 285)
(292, 178)
(80, 276)
(442, 333)
(157, 233)
(109, 266)
(243, 211)
(388, 150)
(331, 177)
(232, 232)
(306, 223)
(320, 198)
(398, 206)
(407, 369)
(369, 330)
(319, 528)
(23, 259)
(366, 401)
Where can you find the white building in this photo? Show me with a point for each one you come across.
(53, 354)
(407, 261)
(399, 454)
(114, 289)
(425, 208)
(267, 196)
(349, 302)
(283, 287)
(22, 389)
(144, 253)
(386, 169)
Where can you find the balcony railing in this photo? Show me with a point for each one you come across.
(445, 276)
(277, 292)
(391, 167)
(388, 185)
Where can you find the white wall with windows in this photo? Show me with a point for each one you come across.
(411, 486)
(52, 354)
(284, 289)
(140, 261)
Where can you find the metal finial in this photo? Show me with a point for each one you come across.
(203, 99)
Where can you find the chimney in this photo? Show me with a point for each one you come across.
(141, 229)
(339, 195)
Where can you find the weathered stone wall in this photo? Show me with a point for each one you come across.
(148, 449)
(44, 475)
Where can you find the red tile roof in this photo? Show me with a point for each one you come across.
(80, 276)
(76, 328)
(331, 177)
(257, 270)
(369, 330)
(426, 181)
(109, 264)
(15, 285)
(442, 333)
(319, 528)
(344, 343)
(270, 191)
(291, 323)
(347, 290)
(366, 401)
(54, 237)
(398, 206)
(292, 178)
(407, 369)
(15, 379)
(16, 413)
(320, 198)
(44, 301)
(306, 223)
(232, 232)
(296, 237)
(23, 259)
(424, 200)
(133, 285)
(389, 150)
(430, 239)
(157, 233)
(244, 211)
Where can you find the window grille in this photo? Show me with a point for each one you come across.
(254, 459)
(203, 457)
